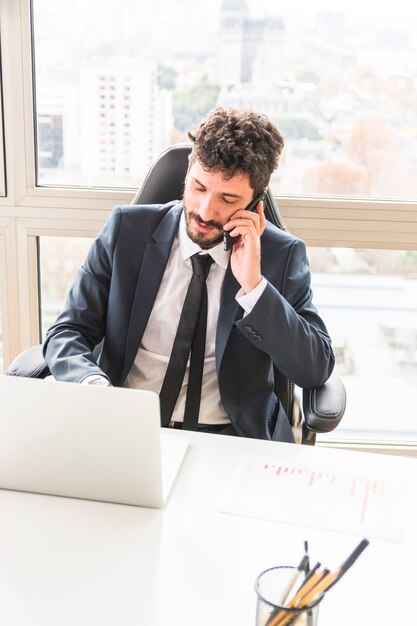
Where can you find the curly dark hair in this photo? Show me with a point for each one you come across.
(234, 141)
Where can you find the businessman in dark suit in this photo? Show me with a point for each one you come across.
(130, 291)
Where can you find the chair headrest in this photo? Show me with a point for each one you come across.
(164, 181)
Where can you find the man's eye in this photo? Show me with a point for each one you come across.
(230, 200)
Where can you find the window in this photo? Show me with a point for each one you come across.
(339, 81)
(2, 193)
(1, 347)
(3, 294)
(2, 168)
(368, 299)
(59, 260)
(322, 74)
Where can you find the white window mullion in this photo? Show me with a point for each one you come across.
(18, 109)
(9, 298)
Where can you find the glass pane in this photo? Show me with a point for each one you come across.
(368, 299)
(2, 169)
(3, 303)
(59, 260)
(1, 348)
(114, 89)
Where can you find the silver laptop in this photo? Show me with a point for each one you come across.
(98, 443)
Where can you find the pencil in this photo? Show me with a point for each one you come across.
(298, 602)
(328, 579)
(333, 577)
(281, 616)
(317, 582)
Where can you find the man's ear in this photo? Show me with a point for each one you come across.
(188, 169)
(186, 176)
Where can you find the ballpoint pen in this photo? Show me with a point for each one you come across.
(333, 577)
(349, 561)
(307, 566)
(323, 584)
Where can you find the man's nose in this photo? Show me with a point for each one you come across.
(207, 208)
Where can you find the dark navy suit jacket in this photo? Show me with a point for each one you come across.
(114, 292)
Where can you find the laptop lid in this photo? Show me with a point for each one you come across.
(85, 441)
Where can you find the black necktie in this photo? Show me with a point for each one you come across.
(191, 336)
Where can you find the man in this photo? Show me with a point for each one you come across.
(132, 287)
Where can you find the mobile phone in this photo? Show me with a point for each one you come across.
(228, 240)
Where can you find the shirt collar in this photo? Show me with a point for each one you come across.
(188, 247)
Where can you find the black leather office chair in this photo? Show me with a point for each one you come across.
(321, 409)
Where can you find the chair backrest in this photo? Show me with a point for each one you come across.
(165, 182)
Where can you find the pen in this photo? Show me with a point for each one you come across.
(307, 567)
(294, 580)
(332, 577)
(350, 560)
(280, 617)
(317, 582)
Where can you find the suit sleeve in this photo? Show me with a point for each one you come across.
(285, 324)
(69, 343)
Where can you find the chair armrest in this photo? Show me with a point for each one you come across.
(324, 406)
(30, 364)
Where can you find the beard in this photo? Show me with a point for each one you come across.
(204, 240)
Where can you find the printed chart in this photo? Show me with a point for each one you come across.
(318, 496)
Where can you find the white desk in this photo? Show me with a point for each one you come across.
(67, 562)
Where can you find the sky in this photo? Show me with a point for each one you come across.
(384, 13)
(388, 13)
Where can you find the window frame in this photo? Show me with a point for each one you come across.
(29, 211)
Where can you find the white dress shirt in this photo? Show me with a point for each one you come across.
(149, 367)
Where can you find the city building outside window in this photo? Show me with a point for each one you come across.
(339, 81)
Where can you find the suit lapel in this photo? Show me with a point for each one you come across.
(152, 268)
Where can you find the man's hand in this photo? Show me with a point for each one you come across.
(246, 252)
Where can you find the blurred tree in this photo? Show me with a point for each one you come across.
(191, 105)
(297, 128)
(369, 147)
(167, 77)
(307, 76)
(340, 179)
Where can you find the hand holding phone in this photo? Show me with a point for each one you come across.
(228, 240)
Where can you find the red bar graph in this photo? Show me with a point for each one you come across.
(334, 496)
(355, 487)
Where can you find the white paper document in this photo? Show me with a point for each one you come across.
(322, 496)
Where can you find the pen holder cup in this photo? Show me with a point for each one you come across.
(272, 586)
